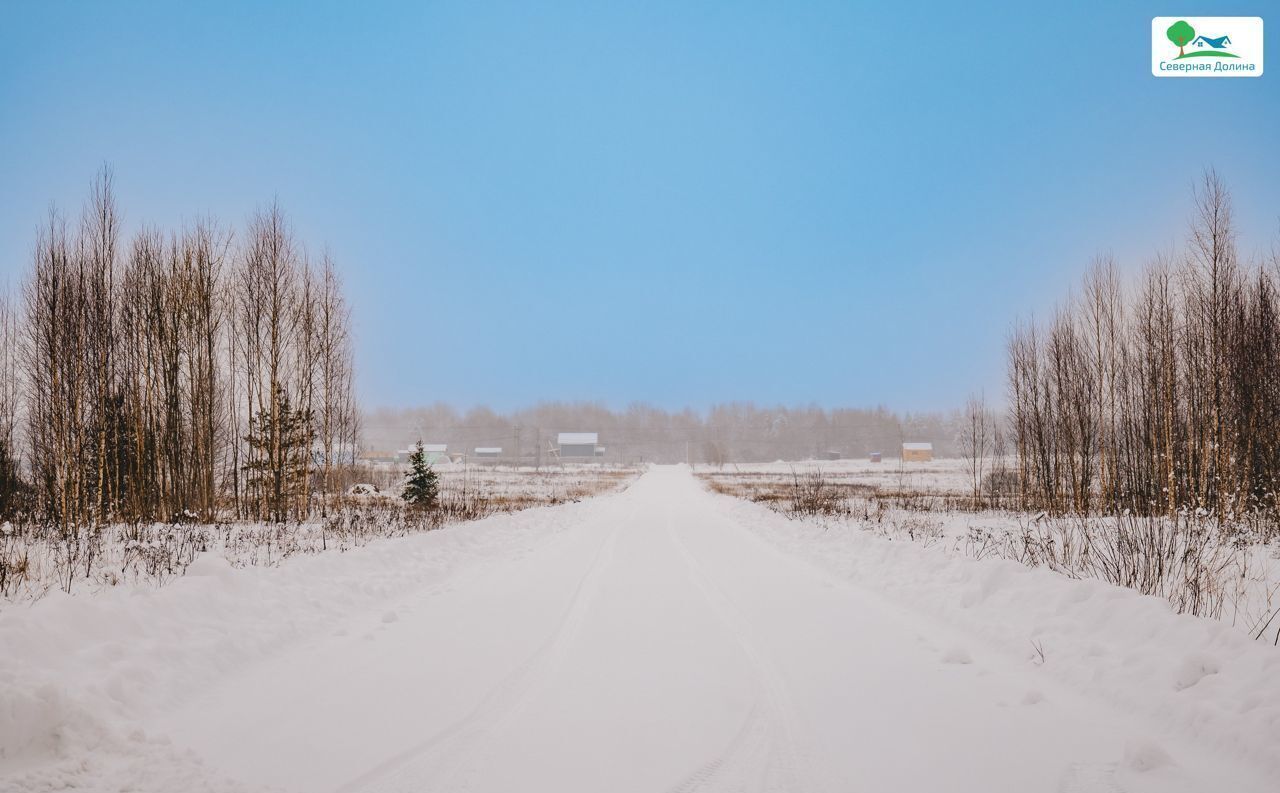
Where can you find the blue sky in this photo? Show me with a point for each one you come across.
(681, 203)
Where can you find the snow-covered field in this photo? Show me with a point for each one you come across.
(522, 485)
(944, 475)
(664, 638)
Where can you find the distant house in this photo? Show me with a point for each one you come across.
(488, 452)
(876, 457)
(378, 457)
(579, 445)
(832, 454)
(917, 452)
(1219, 43)
(434, 452)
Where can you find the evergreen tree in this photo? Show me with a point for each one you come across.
(279, 446)
(422, 487)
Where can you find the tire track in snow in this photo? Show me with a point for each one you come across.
(1090, 778)
(751, 740)
(448, 757)
(767, 736)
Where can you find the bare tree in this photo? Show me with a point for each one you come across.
(975, 442)
(11, 485)
(338, 420)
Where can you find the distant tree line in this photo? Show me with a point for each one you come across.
(1160, 397)
(192, 374)
(727, 433)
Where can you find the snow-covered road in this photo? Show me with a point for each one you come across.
(658, 644)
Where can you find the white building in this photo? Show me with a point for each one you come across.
(579, 445)
(434, 452)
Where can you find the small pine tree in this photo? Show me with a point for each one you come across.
(422, 488)
(276, 474)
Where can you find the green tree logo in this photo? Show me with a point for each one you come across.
(1181, 34)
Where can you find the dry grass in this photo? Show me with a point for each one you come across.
(1188, 560)
(814, 492)
(1199, 564)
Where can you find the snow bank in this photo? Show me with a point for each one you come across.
(79, 672)
(1201, 677)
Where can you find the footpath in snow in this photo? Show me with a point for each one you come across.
(660, 639)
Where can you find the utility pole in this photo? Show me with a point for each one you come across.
(538, 461)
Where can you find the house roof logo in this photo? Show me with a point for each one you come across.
(1183, 35)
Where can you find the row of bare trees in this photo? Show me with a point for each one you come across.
(1160, 397)
(196, 374)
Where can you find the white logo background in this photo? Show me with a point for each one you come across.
(1246, 42)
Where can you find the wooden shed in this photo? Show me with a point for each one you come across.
(917, 452)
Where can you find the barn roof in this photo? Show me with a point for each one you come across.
(917, 447)
(488, 450)
(579, 438)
